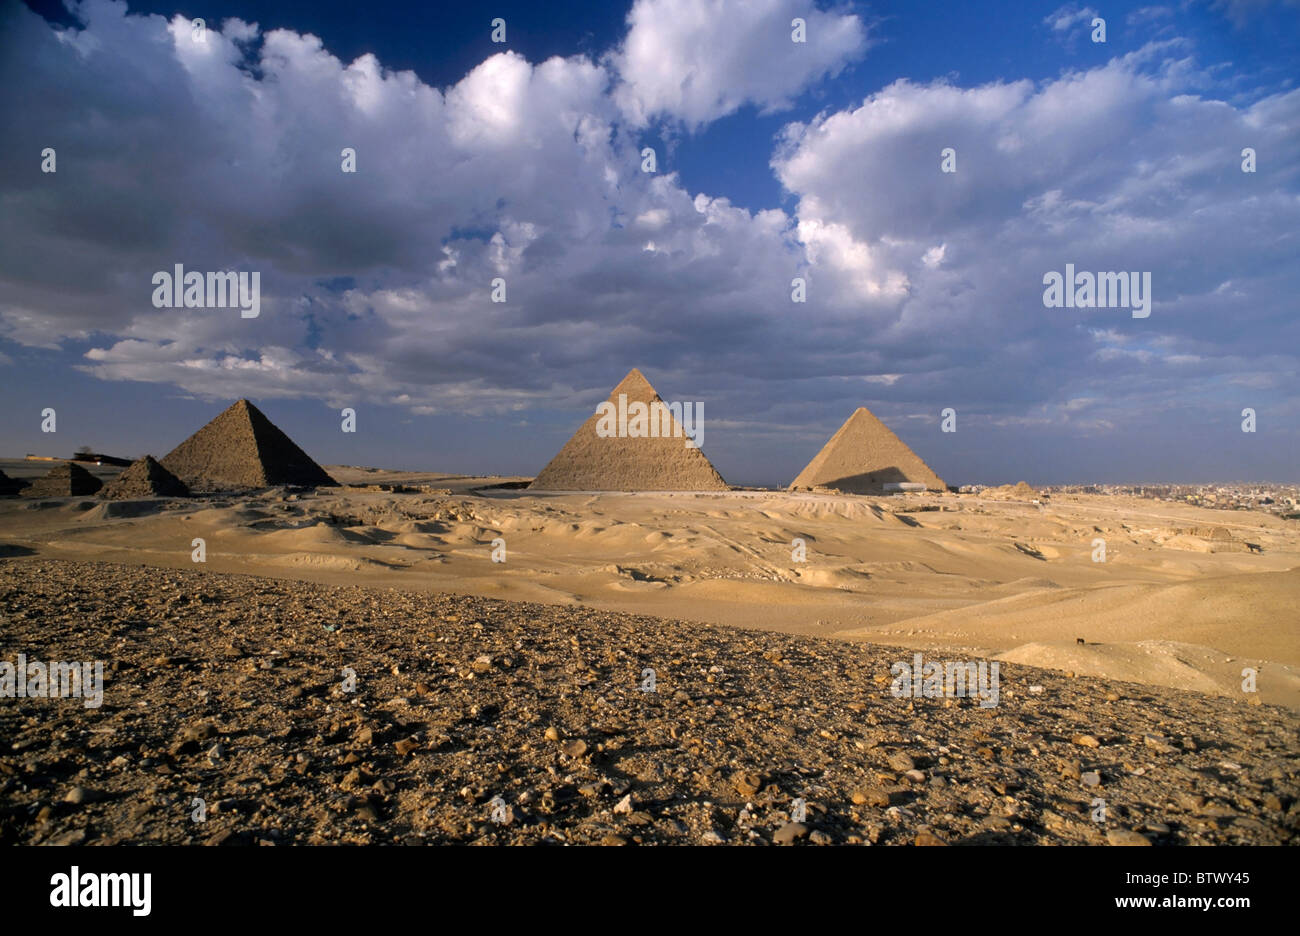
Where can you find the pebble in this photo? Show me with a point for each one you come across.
(901, 762)
(789, 832)
(870, 796)
(1126, 837)
(711, 838)
(1085, 740)
(915, 776)
(552, 734)
(818, 837)
(1158, 744)
(928, 838)
(574, 748)
(79, 795)
(747, 783)
(406, 746)
(624, 806)
(1091, 779)
(613, 840)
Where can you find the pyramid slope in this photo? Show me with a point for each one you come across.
(864, 456)
(65, 480)
(145, 477)
(242, 449)
(589, 462)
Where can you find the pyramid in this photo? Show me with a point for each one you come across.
(591, 462)
(864, 456)
(64, 480)
(242, 449)
(10, 485)
(145, 478)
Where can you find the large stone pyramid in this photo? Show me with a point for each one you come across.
(64, 480)
(145, 477)
(864, 456)
(592, 462)
(242, 449)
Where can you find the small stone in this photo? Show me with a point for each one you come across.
(1158, 744)
(1112, 696)
(901, 762)
(483, 664)
(789, 832)
(1091, 779)
(574, 748)
(818, 837)
(216, 752)
(406, 746)
(79, 795)
(1126, 837)
(711, 838)
(552, 734)
(1085, 740)
(613, 840)
(915, 776)
(365, 736)
(199, 731)
(747, 782)
(928, 838)
(1272, 802)
(624, 806)
(870, 796)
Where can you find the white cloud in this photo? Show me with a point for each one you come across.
(922, 284)
(694, 62)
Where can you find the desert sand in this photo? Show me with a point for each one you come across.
(1180, 601)
(237, 709)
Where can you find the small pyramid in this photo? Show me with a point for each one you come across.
(592, 462)
(864, 456)
(10, 485)
(145, 477)
(64, 480)
(242, 449)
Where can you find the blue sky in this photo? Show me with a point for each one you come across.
(775, 160)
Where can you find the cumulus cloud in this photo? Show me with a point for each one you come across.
(694, 62)
(924, 287)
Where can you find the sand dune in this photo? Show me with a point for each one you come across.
(960, 572)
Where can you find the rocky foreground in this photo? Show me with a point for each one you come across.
(475, 720)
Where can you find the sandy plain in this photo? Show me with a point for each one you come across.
(1181, 599)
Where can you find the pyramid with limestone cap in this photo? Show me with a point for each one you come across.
(242, 449)
(863, 457)
(597, 460)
